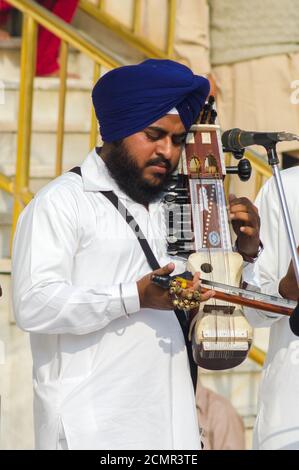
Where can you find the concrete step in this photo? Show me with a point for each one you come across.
(10, 53)
(9, 58)
(45, 105)
(43, 152)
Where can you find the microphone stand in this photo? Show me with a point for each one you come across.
(274, 162)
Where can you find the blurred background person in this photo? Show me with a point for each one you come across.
(277, 423)
(47, 59)
(221, 426)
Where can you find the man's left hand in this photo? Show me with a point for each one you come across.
(246, 224)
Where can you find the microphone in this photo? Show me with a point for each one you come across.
(294, 320)
(236, 139)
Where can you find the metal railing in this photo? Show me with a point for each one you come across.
(34, 15)
(257, 355)
(133, 35)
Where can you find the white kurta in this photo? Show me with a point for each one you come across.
(277, 425)
(108, 380)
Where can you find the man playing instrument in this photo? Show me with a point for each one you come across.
(110, 363)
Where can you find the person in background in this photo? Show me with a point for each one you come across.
(277, 423)
(47, 60)
(221, 426)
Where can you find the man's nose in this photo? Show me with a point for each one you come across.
(165, 147)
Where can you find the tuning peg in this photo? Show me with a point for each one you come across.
(243, 170)
(204, 114)
(213, 116)
(237, 154)
(170, 197)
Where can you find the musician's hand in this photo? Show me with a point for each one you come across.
(188, 297)
(246, 224)
(153, 296)
(288, 287)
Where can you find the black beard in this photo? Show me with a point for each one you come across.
(128, 176)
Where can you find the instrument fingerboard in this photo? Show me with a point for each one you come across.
(211, 229)
(205, 167)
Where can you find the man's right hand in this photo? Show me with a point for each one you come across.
(153, 296)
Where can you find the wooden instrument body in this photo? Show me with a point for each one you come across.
(222, 336)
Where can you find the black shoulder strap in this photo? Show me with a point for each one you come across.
(77, 170)
(152, 261)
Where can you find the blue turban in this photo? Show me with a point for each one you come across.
(130, 98)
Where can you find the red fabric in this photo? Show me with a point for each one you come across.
(4, 11)
(48, 44)
(4, 6)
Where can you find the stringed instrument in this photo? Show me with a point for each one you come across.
(199, 231)
(221, 334)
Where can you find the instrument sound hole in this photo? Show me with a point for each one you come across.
(206, 267)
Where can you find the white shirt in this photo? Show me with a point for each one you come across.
(107, 380)
(277, 425)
